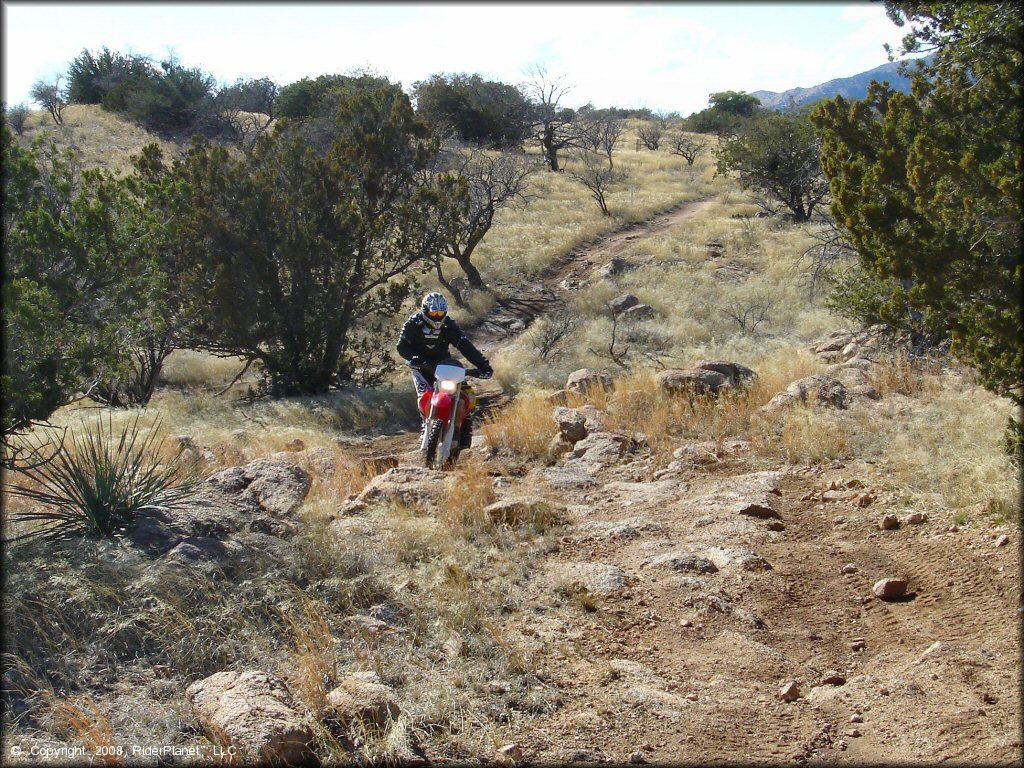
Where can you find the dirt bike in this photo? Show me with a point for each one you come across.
(445, 408)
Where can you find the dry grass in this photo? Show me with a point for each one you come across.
(83, 720)
(470, 490)
(104, 139)
(524, 428)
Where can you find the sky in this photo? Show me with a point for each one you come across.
(666, 56)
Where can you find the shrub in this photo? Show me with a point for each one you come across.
(101, 482)
(16, 117)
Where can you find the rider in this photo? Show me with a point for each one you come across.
(424, 343)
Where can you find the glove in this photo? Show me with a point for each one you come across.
(415, 362)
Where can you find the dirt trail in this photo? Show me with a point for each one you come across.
(684, 660)
(511, 316)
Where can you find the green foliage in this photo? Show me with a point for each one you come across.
(92, 76)
(777, 157)
(299, 251)
(101, 483)
(726, 114)
(81, 280)
(738, 103)
(480, 111)
(52, 97)
(304, 98)
(927, 185)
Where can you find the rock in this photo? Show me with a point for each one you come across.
(571, 424)
(511, 752)
(255, 714)
(866, 391)
(789, 691)
(817, 390)
(849, 568)
(453, 647)
(599, 578)
(1003, 540)
(410, 486)
(686, 562)
(736, 374)
(294, 446)
(833, 677)
(614, 267)
(714, 248)
(206, 551)
(835, 342)
(523, 509)
(639, 312)
(154, 531)
(602, 448)
(775, 525)
(917, 518)
(623, 302)
(730, 557)
(853, 733)
(889, 522)
(557, 448)
(890, 589)
(856, 719)
(586, 380)
(638, 757)
(278, 487)
(857, 645)
(688, 382)
(358, 699)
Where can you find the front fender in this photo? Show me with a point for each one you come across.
(442, 403)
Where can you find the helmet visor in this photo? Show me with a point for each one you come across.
(436, 314)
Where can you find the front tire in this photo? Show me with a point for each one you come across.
(434, 431)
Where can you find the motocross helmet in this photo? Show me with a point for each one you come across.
(434, 308)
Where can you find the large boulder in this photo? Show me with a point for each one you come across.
(586, 380)
(255, 714)
(704, 377)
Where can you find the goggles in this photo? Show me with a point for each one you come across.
(436, 314)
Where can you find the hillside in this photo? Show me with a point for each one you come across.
(666, 545)
(850, 88)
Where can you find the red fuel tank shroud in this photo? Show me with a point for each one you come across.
(442, 405)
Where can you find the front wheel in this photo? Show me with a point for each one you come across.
(434, 431)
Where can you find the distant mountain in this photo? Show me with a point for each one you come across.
(854, 87)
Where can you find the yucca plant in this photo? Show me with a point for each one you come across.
(100, 482)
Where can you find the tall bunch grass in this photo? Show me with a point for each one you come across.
(98, 481)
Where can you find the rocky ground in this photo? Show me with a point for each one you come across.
(722, 607)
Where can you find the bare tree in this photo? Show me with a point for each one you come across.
(493, 181)
(553, 330)
(594, 176)
(615, 352)
(606, 133)
(52, 97)
(248, 108)
(650, 132)
(830, 252)
(688, 147)
(552, 124)
(750, 313)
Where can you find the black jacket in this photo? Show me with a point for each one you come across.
(431, 344)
